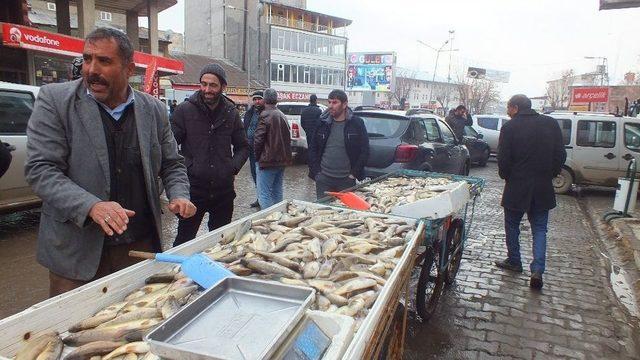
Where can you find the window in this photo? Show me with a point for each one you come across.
(294, 41)
(383, 127)
(307, 75)
(287, 73)
(291, 109)
(280, 72)
(51, 6)
(15, 110)
(294, 73)
(274, 72)
(488, 123)
(469, 131)
(307, 43)
(447, 134)
(280, 39)
(330, 77)
(104, 15)
(596, 133)
(431, 129)
(287, 40)
(565, 126)
(324, 76)
(632, 136)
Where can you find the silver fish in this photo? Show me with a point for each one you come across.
(310, 270)
(270, 268)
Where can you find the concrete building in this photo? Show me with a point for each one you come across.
(296, 51)
(42, 38)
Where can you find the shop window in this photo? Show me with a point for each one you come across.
(51, 70)
(51, 6)
(15, 110)
(596, 134)
(105, 16)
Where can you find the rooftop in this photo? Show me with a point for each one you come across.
(140, 6)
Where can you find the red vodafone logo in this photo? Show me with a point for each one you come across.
(15, 35)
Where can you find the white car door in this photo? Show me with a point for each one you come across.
(489, 127)
(596, 154)
(15, 110)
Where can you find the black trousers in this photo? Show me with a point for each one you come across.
(220, 209)
(327, 183)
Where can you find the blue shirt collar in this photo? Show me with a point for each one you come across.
(116, 113)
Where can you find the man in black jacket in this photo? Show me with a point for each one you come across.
(460, 119)
(530, 154)
(310, 117)
(251, 119)
(340, 147)
(207, 126)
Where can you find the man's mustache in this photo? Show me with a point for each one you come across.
(97, 79)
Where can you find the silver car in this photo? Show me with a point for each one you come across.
(16, 105)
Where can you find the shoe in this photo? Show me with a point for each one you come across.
(506, 264)
(536, 281)
(255, 204)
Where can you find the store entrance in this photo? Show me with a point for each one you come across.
(13, 65)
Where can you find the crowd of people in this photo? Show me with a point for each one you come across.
(96, 148)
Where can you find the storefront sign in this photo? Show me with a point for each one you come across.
(590, 95)
(294, 96)
(29, 38)
(151, 79)
(371, 71)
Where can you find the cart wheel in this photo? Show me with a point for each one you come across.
(454, 239)
(430, 285)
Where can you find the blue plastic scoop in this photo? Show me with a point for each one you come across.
(204, 271)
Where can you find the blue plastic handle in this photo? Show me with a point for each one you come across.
(178, 259)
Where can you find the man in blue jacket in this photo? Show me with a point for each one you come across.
(340, 147)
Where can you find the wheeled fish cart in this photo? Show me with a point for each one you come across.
(353, 264)
(445, 205)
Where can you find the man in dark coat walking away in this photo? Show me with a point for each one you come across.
(207, 126)
(310, 117)
(340, 148)
(460, 119)
(272, 146)
(530, 154)
(251, 118)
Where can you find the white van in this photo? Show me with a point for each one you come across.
(293, 110)
(599, 148)
(489, 126)
(16, 105)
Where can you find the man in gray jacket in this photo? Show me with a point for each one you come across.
(95, 150)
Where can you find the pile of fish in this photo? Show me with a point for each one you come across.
(345, 256)
(395, 191)
(116, 332)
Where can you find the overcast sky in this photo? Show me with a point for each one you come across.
(532, 39)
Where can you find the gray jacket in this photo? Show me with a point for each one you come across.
(68, 167)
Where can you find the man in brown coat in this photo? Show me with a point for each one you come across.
(272, 146)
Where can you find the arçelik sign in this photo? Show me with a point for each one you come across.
(589, 95)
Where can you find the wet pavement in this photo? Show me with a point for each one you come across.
(487, 313)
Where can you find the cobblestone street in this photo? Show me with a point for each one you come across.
(491, 313)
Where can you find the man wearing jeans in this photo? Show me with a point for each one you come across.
(530, 154)
(272, 147)
(340, 147)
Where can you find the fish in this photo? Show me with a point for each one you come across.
(356, 257)
(281, 228)
(352, 308)
(325, 268)
(160, 278)
(314, 233)
(133, 324)
(35, 346)
(392, 252)
(220, 254)
(310, 270)
(296, 282)
(270, 268)
(232, 257)
(323, 286)
(139, 347)
(378, 269)
(178, 294)
(52, 350)
(92, 335)
(92, 322)
(315, 248)
(284, 242)
(336, 299)
(274, 236)
(242, 230)
(260, 229)
(150, 356)
(146, 290)
(355, 284)
(96, 348)
(144, 313)
(329, 246)
(369, 275)
(322, 302)
(170, 307)
(369, 297)
(294, 221)
(259, 243)
(240, 270)
(281, 260)
(130, 356)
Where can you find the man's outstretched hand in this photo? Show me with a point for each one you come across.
(110, 216)
(182, 207)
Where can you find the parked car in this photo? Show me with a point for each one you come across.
(293, 110)
(16, 105)
(477, 146)
(599, 148)
(419, 142)
(489, 126)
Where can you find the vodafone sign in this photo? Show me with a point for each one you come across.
(590, 95)
(29, 38)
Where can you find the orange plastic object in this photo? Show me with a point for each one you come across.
(351, 200)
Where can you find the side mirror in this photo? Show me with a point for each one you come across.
(479, 136)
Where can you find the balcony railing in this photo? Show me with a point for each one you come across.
(306, 25)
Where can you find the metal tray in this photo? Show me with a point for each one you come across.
(239, 318)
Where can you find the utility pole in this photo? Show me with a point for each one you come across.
(438, 51)
(451, 37)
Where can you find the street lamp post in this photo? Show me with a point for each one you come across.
(435, 69)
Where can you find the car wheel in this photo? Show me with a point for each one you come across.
(562, 183)
(484, 158)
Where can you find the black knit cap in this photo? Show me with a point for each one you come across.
(257, 94)
(216, 70)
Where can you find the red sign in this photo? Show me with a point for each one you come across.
(151, 79)
(29, 38)
(286, 95)
(590, 95)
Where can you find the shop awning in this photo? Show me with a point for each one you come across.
(25, 37)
